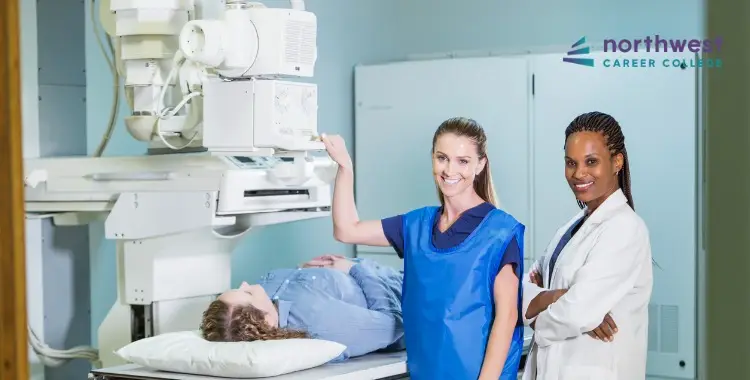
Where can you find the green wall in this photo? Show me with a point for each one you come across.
(728, 195)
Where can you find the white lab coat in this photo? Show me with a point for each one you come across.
(606, 267)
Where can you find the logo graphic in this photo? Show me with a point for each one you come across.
(577, 50)
(649, 51)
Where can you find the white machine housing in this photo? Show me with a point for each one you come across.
(170, 55)
(254, 41)
(285, 114)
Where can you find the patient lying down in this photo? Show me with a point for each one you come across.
(353, 302)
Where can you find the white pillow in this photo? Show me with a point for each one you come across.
(188, 352)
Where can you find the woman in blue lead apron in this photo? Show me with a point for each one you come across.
(462, 260)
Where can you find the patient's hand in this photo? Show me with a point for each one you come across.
(325, 261)
(342, 263)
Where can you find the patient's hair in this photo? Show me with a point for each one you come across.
(615, 140)
(469, 128)
(225, 323)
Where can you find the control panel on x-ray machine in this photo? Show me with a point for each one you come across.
(231, 139)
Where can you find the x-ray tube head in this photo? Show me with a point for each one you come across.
(252, 41)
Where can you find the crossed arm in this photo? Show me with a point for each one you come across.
(610, 271)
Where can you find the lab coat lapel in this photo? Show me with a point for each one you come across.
(608, 207)
(605, 210)
(551, 250)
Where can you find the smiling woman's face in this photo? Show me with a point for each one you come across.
(590, 168)
(455, 164)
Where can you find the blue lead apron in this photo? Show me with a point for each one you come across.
(448, 297)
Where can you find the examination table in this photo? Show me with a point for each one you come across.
(380, 366)
(376, 366)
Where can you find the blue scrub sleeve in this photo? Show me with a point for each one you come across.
(513, 257)
(393, 228)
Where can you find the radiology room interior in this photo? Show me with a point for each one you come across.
(68, 102)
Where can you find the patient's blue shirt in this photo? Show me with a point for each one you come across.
(361, 310)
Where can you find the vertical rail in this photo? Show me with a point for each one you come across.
(14, 363)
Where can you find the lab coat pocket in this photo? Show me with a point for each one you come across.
(587, 373)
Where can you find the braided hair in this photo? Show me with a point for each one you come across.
(226, 323)
(613, 137)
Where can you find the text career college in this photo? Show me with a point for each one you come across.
(665, 45)
(666, 62)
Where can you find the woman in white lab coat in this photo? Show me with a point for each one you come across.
(587, 297)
